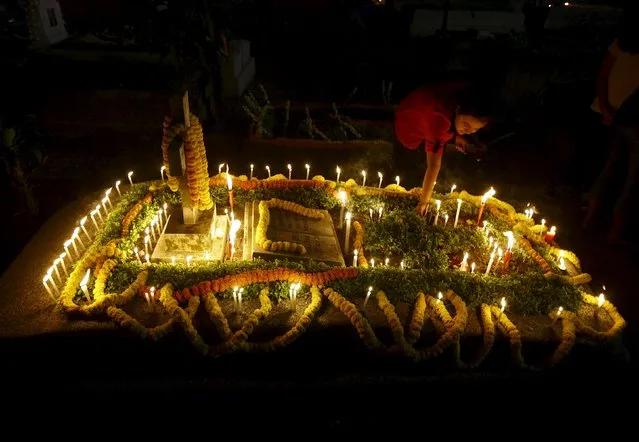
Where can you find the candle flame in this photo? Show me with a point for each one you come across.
(553, 230)
(373, 262)
(63, 255)
(559, 310)
(76, 231)
(386, 261)
(288, 166)
(188, 260)
(117, 183)
(338, 170)
(364, 173)
(341, 195)
(453, 187)
(83, 220)
(503, 303)
(85, 280)
(601, 300)
(459, 201)
(308, 166)
(355, 252)
(465, 256)
(348, 216)
(370, 289)
(402, 265)
(440, 296)
(511, 240)
(488, 195)
(67, 243)
(472, 267)
(380, 175)
(130, 174)
(108, 191)
(438, 203)
(543, 222)
(604, 288)
(268, 168)
(162, 169)
(397, 179)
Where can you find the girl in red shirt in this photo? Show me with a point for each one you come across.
(435, 115)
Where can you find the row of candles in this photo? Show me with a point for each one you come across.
(152, 234)
(53, 279)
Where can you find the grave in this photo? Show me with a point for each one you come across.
(318, 236)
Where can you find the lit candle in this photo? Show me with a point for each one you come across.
(445, 219)
(107, 194)
(146, 231)
(49, 276)
(66, 245)
(370, 213)
(559, 312)
(459, 203)
(363, 178)
(173, 260)
(368, 295)
(339, 171)
(251, 173)
(44, 282)
(485, 198)
(290, 170)
(464, 264)
(147, 297)
(402, 265)
(440, 296)
(159, 217)
(229, 183)
(130, 175)
(355, 254)
(84, 229)
(341, 196)
(397, 180)
(453, 187)
(381, 177)
(104, 201)
(438, 203)
(541, 231)
(76, 235)
(373, 262)
(152, 294)
(503, 307)
(64, 265)
(136, 253)
(83, 285)
(348, 232)
(268, 169)
(219, 168)
(380, 210)
(490, 263)
(509, 248)
(472, 268)
(147, 239)
(147, 258)
(54, 268)
(162, 169)
(550, 236)
(188, 260)
(97, 211)
(239, 297)
(386, 261)
(485, 228)
(165, 207)
(117, 187)
(236, 289)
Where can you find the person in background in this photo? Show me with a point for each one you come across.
(432, 116)
(617, 103)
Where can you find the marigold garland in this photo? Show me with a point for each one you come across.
(358, 244)
(487, 341)
(417, 319)
(618, 322)
(127, 221)
(568, 336)
(216, 315)
(509, 329)
(172, 307)
(101, 278)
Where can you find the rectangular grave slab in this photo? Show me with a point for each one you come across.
(318, 236)
(180, 240)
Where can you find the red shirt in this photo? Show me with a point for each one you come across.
(426, 116)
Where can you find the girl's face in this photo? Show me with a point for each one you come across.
(468, 124)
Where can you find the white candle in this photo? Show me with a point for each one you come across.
(239, 297)
(106, 211)
(107, 195)
(219, 168)
(464, 264)
(164, 208)
(397, 180)
(348, 232)
(97, 211)
(438, 203)
(308, 171)
(541, 231)
(440, 296)
(339, 171)
(370, 213)
(188, 261)
(268, 169)
(445, 220)
(147, 258)
(162, 169)
(251, 173)
(152, 293)
(355, 254)
(453, 187)
(380, 211)
(363, 178)
(381, 177)
(44, 282)
(159, 217)
(84, 229)
(559, 312)
(472, 268)
(117, 187)
(55, 268)
(341, 196)
(83, 285)
(66, 245)
(373, 262)
(368, 295)
(147, 239)
(503, 307)
(459, 203)
(173, 260)
(130, 175)
(386, 261)
(290, 170)
(64, 265)
(136, 252)
(402, 265)
(156, 223)
(490, 262)
(76, 235)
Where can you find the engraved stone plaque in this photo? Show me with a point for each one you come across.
(318, 236)
(180, 240)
